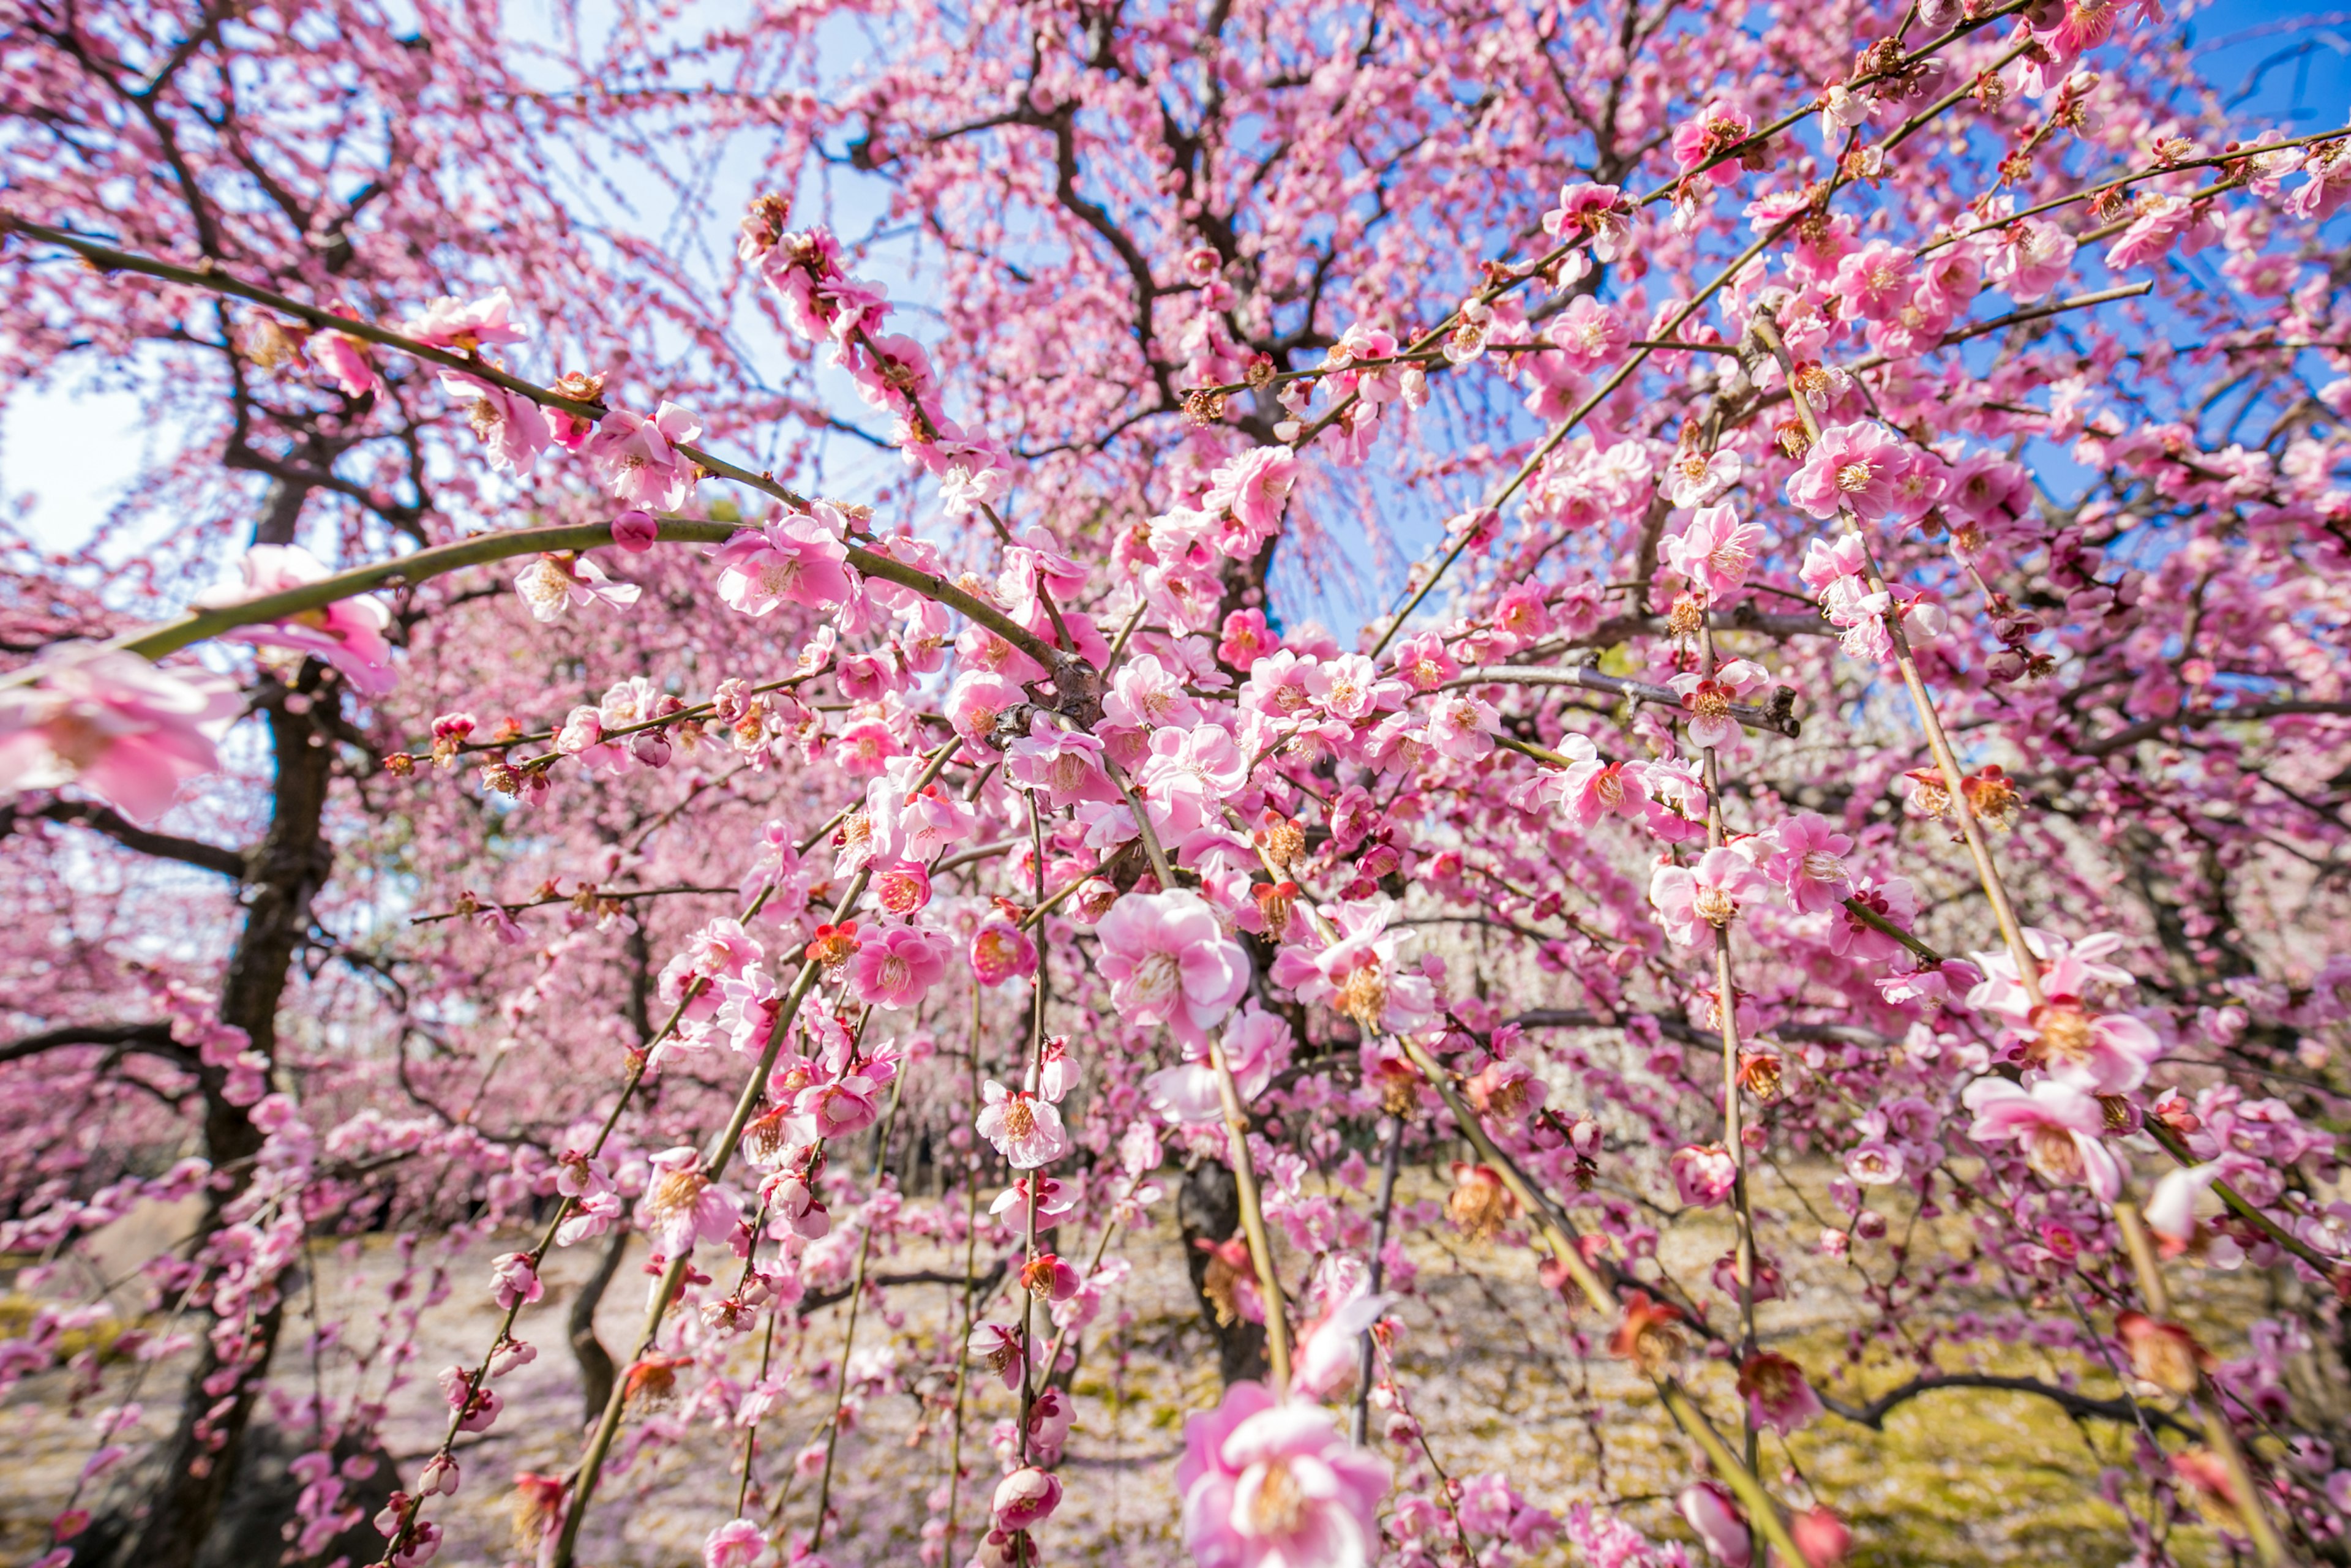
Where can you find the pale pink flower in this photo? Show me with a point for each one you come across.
(1026, 1130)
(1589, 334)
(1715, 549)
(347, 634)
(838, 1108)
(514, 428)
(514, 1280)
(114, 724)
(1268, 1485)
(1362, 974)
(1873, 283)
(1168, 960)
(1065, 765)
(1696, 478)
(974, 702)
(1690, 899)
(1257, 1044)
(1875, 1162)
(1146, 695)
(1026, 1497)
(1462, 726)
(681, 1206)
(1000, 1348)
(1349, 687)
(1703, 1174)
(1520, 612)
(1807, 864)
(898, 968)
(552, 584)
(1423, 662)
(1854, 466)
(1590, 789)
(1330, 1348)
(795, 559)
(2059, 1125)
(1190, 774)
(347, 361)
(2031, 257)
(446, 324)
(1252, 487)
(635, 457)
(1718, 1523)
(738, 1543)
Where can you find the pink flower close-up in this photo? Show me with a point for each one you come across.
(1266, 1484)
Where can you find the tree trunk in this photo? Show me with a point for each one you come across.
(1208, 1208)
(595, 1360)
(166, 1527)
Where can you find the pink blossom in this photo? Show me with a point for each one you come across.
(1257, 1044)
(1330, 1348)
(1714, 550)
(1718, 1523)
(738, 1543)
(2059, 1125)
(1695, 478)
(1064, 765)
(1001, 951)
(347, 634)
(1703, 1174)
(1875, 1163)
(1026, 1497)
(682, 1206)
(840, 1107)
(974, 702)
(483, 324)
(1690, 899)
(1708, 700)
(2030, 258)
(1873, 283)
(114, 724)
(1590, 789)
(1146, 694)
(1710, 133)
(1000, 1349)
(1589, 334)
(1268, 1485)
(898, 969)
(1424, 664)
(1852, 465)
(1189, 775)
(1599, 213)
(514, 1280)
(346, 360)
(1362, 974)
(552, 584)
(795, 560)
(1806, 862)
(512, 427)
(1462, 726)
(1168, 960)
(1777, 1394)
(1252, 489)
(636, 531)
(1026, 1130)
(634, 459)
(902, 889)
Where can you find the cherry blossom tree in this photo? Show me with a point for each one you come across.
(1838, 526)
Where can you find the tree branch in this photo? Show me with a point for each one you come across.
(155, 1039)
(2125, 1411)
(100, 818)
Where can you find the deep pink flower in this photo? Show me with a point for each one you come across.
(1000, 1349)
(1777, 1394)
(902, 889)
(1713, 130)
(1873, 283)
(114, 724)
(1168, 960)
(633, 456)
(1600, 213)
(838, 1108)
(795, 560)
(2059, 1125)
(1589, 789)
(1855, 465)
(347, 633)
(1268, 1485)
(1001, 951)
(1026, 1497)
(1025, 1129)
(898, 968)
(1703, 1174)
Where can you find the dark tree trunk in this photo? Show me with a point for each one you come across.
(1208, 1208)
(166, 1524)
(595, 1360)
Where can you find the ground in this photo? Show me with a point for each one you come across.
(1955, 1478)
